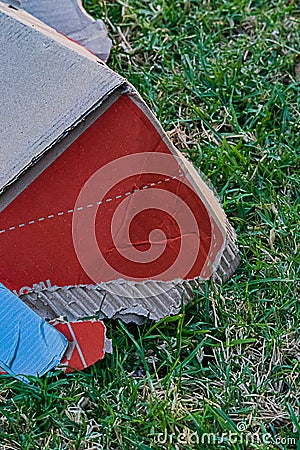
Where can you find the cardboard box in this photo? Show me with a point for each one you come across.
(70, 19)
(99, 213)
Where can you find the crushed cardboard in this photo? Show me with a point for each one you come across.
(78, 149)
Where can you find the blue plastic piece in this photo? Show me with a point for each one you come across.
(28, 344)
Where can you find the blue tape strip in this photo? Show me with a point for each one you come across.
(28, 344)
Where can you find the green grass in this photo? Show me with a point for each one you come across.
(220, 75)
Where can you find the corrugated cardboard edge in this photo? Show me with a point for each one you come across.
(112, 300)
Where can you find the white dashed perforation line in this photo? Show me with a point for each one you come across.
(90, 205)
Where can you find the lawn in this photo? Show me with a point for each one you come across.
(223, 78)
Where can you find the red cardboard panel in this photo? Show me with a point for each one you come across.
(36, 241)
(28, 344)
